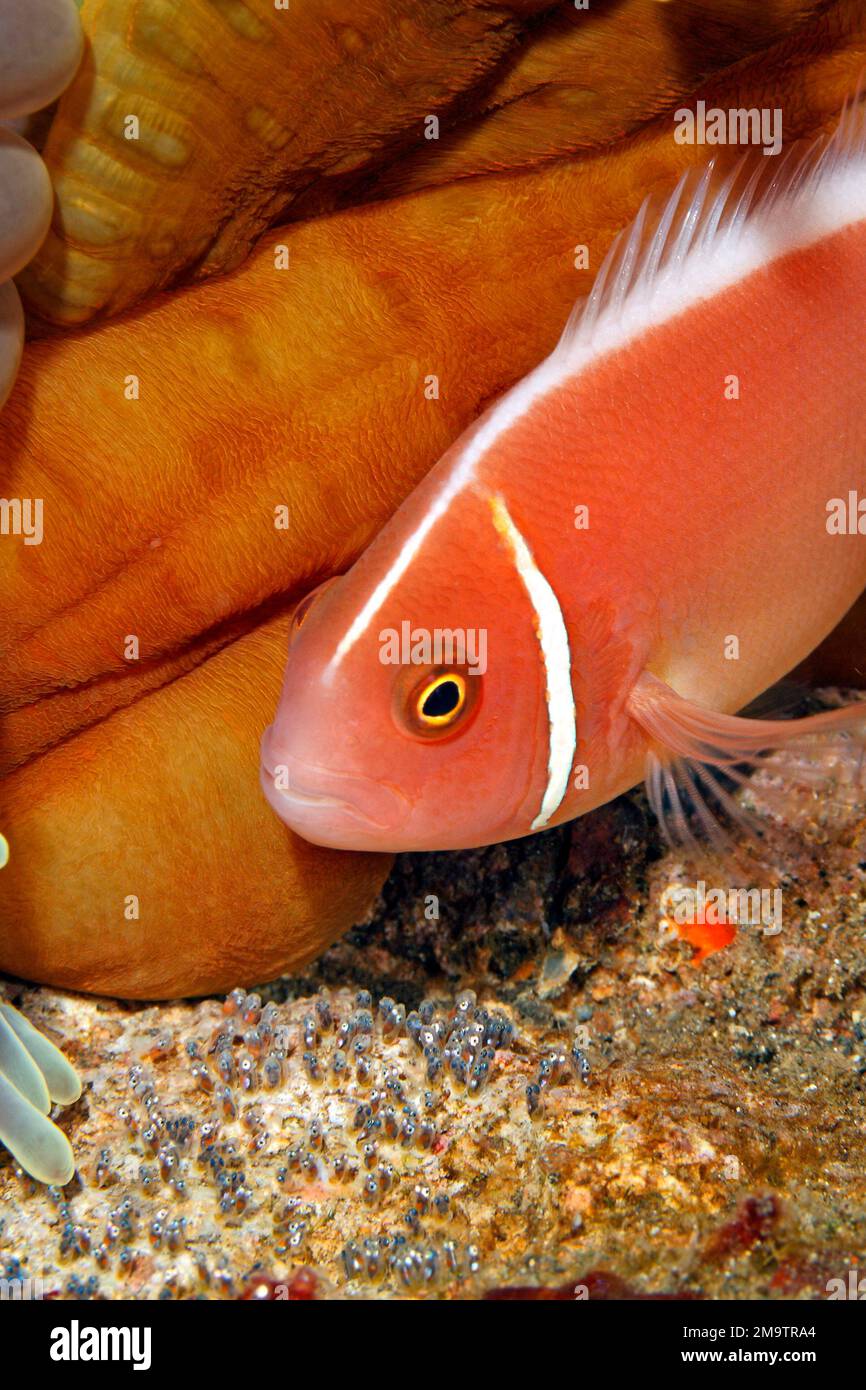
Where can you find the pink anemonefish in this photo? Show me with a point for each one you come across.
(640, 532)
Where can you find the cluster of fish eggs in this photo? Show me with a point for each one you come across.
(296, 1115)
(455, 1047)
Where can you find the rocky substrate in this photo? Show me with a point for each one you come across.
(515, 1078)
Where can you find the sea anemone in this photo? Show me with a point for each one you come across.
(33, 1074)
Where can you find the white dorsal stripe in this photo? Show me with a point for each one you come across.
(702, 243)
(699, 244)
(556, 655)
(395, 573)
(708, 238)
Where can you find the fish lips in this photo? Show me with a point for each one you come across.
(341, 810)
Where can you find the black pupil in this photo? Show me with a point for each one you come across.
(442, 700)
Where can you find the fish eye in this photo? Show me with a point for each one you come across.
(436, 704)
(440, 701)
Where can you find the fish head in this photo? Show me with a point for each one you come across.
(413, 710)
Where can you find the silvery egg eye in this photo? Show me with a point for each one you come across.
(439, 703)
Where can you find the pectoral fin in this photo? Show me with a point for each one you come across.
(696, 751)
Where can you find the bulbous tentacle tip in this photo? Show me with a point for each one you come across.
(33, 1140)
(33, 1074)
(20, 1070)
(61, 1078)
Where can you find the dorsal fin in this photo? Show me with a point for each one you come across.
(716, 227)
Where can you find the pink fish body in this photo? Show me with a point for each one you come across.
(628, 547)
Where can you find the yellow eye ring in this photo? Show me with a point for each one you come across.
(436, 704)
(440, 701)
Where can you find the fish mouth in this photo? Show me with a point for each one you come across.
(340, 809)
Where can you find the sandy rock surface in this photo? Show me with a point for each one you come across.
(689, 1129)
